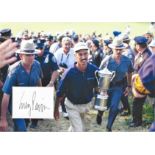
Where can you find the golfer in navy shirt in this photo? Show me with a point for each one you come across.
(77, 85)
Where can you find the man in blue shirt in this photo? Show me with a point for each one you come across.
(118, 86)
(50, 70)
(26, 72)
(48, 64)
(77, 85)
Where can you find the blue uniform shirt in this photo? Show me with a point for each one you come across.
(125, 66)
(78, 86)
(48, 64)
(130, 54)
(18, 76)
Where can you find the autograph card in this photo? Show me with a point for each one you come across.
(33, 102)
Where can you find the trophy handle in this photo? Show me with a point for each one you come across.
(96, 75)
(113, 75)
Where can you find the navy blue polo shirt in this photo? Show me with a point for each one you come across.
(78, 86)
(18, 76)
(48, 64)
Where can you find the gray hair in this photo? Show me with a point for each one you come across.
(66, 39)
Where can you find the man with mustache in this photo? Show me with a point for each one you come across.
(77, 85)
(26, 72)
(118, 86)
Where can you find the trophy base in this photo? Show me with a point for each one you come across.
(97, 107)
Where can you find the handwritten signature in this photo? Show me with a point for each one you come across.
(33, 105)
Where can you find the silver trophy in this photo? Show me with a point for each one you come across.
(104, 77)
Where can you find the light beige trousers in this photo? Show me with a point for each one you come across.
(77, 115)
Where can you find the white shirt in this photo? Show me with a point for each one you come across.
(68, 59)
(54, 47)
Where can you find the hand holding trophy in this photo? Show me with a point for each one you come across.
(104, 77)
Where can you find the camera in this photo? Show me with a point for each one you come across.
(63, 65)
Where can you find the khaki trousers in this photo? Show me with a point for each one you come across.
(77, 115)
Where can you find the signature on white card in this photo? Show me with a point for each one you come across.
(32, 104)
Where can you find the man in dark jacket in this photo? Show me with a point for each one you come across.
(144, 81)
(143, 54)
(97, 53)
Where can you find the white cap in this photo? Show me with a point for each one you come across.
(80, 46)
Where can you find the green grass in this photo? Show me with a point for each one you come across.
(83, 27)
(148, 114)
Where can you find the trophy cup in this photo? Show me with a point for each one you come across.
(104, 77)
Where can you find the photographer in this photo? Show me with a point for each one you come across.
(65, 59)
(65, 55)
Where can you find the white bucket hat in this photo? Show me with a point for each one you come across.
(80, 46)
(27, 47)
(118, 43)
(152, 44)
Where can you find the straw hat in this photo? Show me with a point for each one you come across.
(27, 47)
(118, 43)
